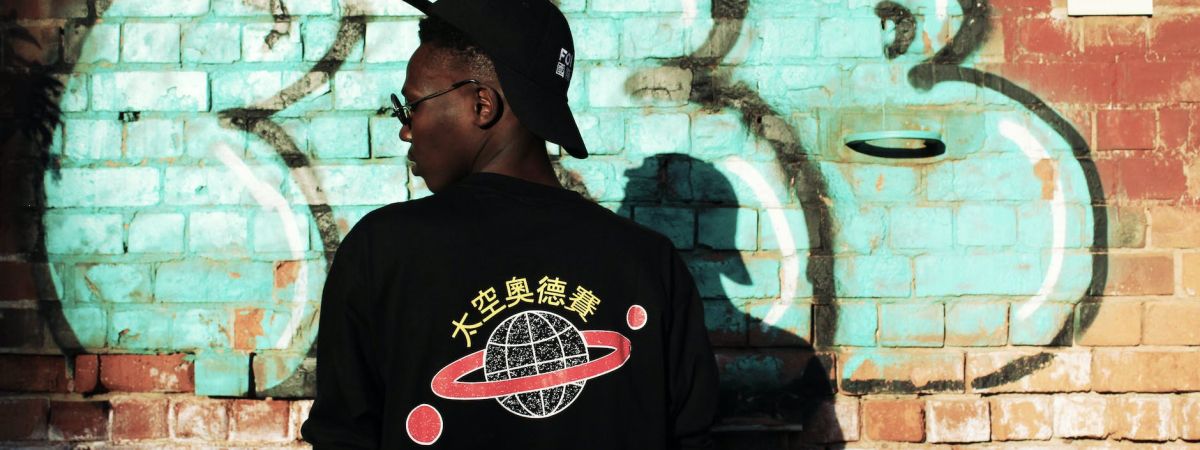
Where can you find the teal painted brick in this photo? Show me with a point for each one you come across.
(156, 233)
(203, 134)
(115, 283)
(271, 235)
(184, 185)
(204, 280)
(737, 277)
(150, 91)
(1076, 276)
(75, 92)
(125, 186)
(728, 228)
(377, 8)
(236, 89)
(390, 41)
(860, 230)
(920, 227)
(153, 138)
(294, 290)
(284, 374)
(629, 86)
(725, 322)
(343, 185)
(793, 327)
(995, 178)
(856, 323)
(882, 183)
(318, 99)
(310, 7)
(983, 274)
(385, 138)
(976, 324)
(154, 42)
(607, 179)
(99, 43)
(939, 181)
(985, 225)
(604, 133)
(1041, 327)
(619, 6)
(222, 373)
(652, 37)
(678, 224)
(724, 185)
(88, 139)
(152, 8)
(266, 42)
(717, 135)
(318, 37)
(1035, 225)
(793, 219)
(366, 90)
(294, 132)
(274, 324)
(335, 137)
(877, 275)
(201, 328)
(243, 8)
(89, 325)
(749, 371)
(212, 42)
(220, 232)
(785, 40)
(598, 38)
(912, 325)
(144, 328)
(84, 233)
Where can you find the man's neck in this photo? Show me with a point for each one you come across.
(528, 162)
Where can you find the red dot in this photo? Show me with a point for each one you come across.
(636, 317)
(424, 424)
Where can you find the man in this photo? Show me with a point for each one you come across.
(505, 311)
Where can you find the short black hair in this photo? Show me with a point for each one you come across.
(463, 50)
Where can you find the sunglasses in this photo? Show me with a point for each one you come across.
(405, 112)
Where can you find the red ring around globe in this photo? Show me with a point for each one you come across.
(446, 383)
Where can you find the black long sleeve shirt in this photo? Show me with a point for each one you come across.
(502, 313)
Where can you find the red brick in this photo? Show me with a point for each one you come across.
(21, 328)
(1129, 370)
(905, 372)
(958, 420)
(1043, 37)
(1022, 418)
(1125, 129)
(1150, 82)
(147, 373)
(1175, 227)
(1114, 38)
(894, 420)
(202, 419)
(259, 420)
(1113, 323)
(1173, 323)
(1126, 226)
(1140, 274)
(1142, 418)
(300, 410)
(87, 373)
(1187, 413)
(1191, 274)
(17, 281)
(833, 421)
(1178, 128)
(1175, 36)
(139, 418)
(1079, 416)
(1153, 177)
(1066, 371)
(33, 373)
(1019, 8)
(1065, 82)
(79, 421)
(24, 419)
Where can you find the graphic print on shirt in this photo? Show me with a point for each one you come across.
(535, 363)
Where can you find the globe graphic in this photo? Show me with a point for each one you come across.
(533, 343)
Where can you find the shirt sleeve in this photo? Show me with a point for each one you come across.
(692, 368)
(348, 406)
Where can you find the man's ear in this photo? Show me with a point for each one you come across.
(489, 107)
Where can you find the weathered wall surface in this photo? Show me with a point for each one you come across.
(176, 175)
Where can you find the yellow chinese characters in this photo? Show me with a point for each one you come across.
(551, 291)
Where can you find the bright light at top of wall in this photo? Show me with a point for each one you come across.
(1110, 7)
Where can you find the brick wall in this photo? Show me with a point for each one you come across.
(176, 175)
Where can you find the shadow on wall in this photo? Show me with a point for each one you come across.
(771, 378)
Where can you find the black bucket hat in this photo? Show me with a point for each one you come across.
(530, 43)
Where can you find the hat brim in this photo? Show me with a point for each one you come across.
(545, 114)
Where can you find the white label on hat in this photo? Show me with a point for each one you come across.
(564, 64)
